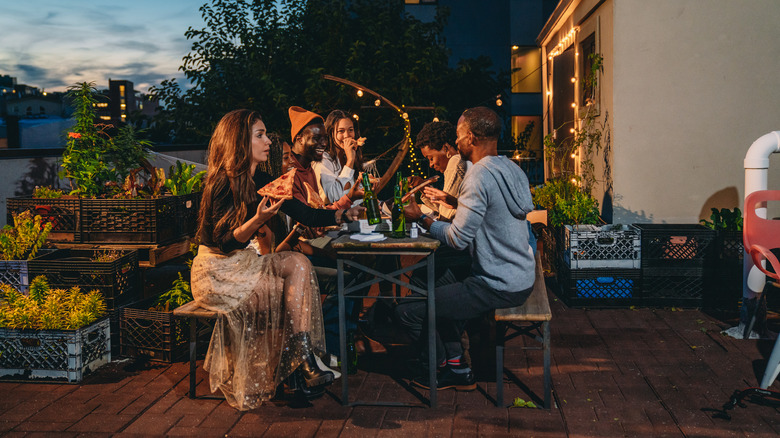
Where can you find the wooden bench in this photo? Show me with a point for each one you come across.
(193, 311)
(532, 319)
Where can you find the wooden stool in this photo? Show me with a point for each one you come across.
(193, 311)
(531, 319)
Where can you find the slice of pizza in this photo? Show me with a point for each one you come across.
(313, 196)
(280, 188)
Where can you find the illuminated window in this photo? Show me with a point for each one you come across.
(123, 106)
(102, 105)
(588, 47)
(526, 69)
(528, 130)
(124, 116)
(122, 90)
(105, 118)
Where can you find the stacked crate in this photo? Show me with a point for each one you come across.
(600, 266)
(674, 261)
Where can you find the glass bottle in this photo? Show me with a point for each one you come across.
(370, 202)
(399, 220)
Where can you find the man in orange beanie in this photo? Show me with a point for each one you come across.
(309, 141)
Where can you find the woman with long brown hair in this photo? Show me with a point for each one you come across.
(342, 161)
(270, 321)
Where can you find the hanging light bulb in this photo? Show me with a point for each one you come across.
(571, 130)
(573, 80)
(355, 116)
(377, 102)
(360, 93)
(499, 102)
(435, 119)
(573, 105)
(405, 115)
(573, 155)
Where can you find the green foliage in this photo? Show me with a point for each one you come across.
(176, 296)
(95, 162)
(520, 403)
(181, 181)
(588, 136)
(46, 308)
(566, 203)
(724, 220)
(106, 255)
(44, 192)
(23, 240)
(266, 55)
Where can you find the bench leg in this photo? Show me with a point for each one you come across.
(500, 330)
(193, 354)
(547, 380)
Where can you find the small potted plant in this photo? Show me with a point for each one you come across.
(19, 243)
(55, 334)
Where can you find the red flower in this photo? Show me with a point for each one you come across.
(74, 135)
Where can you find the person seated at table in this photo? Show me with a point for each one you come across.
(436, 141)
(491, 223)
(342, 160)
(269, 321)
(309, 142)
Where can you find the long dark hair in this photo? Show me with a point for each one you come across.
(229, 164)
(335, 152)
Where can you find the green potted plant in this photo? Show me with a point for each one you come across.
(64, 332)
(19, 243)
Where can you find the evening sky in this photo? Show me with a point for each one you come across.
(51, 44)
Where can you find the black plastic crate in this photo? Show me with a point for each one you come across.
(729, 246)
(130, 220)
(117, 280)
(15, 272)
(676, 245)
(187, 214)
(673, 287)
(600, 287)
(59, 355)
(62, 213)
(158, 336)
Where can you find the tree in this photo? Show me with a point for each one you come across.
(267, 55)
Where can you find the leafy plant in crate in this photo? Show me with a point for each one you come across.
(19, 243)
(54, 333)
(182, 181)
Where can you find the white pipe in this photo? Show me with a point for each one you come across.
(756, 175)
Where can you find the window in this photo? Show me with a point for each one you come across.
(527, 130)
(588, 48)
(526, 69)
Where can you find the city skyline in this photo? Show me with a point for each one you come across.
(51, 44)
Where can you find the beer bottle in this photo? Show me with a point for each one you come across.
(399, 220)
(370, 202)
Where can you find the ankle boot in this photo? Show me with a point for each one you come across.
(311, 373)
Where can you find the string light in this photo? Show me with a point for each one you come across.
(405, 116)
(355, 116)
(565, 42)
(359, 93)
(435, 119)
(573, 80)
(573, 105)
(499, 102)
(377, 102)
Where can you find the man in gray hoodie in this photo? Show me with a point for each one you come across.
(490, 222)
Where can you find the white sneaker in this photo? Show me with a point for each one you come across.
(322, 366)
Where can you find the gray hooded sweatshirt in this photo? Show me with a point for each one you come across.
(490, 221)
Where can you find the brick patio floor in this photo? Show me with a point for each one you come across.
(615, 373)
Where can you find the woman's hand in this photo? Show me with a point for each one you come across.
(350, 146)
(440, 197)
(265, 211)
(415, 180)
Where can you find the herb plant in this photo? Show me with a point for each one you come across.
(724, 220)
(181, 181)
(44, 192)
(176, 296)
(49, 309)
(23, 240)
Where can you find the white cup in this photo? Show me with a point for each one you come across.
(365, 228)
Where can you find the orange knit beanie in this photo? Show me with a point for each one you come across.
(299, 118)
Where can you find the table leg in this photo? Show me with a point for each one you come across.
(193, 354)
(432, 332)
(342, 334)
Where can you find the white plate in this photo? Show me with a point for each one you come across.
(373, 237)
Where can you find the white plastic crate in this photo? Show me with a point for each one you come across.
(608, 246)
(60, 355)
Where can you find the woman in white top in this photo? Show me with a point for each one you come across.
(436, 141)
(342, 161)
